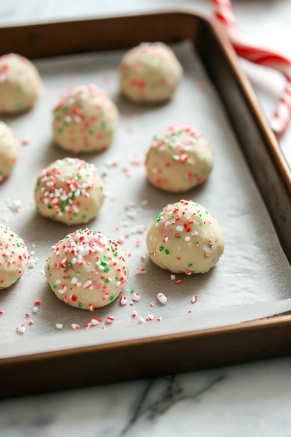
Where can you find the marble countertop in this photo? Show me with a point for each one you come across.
(249, 400)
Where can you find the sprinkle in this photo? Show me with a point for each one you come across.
(189, 312)
(30, 322)
(31, 263)
(150, 317)
(75, 326)
(91, 307)
(141, 320)
(141, 270)
(162, 298)
(179, 282)
(20, 329)
(59, 326)
(35, 310)
(109, 319)
(136, 297)
(194, 298)
(95, 321)
(123, 300)
(27, 315)
(87, 284)
(14, 205)
(159, 319)
(173, 277)
(1, 313)
(88, 325)
(142, 258)
(37, 302)
(26, 141)
(152, 304)
(134, 314)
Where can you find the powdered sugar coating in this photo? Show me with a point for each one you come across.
(20, 83)
(179, 158)
(69, 191)
(185, 238)
(13, 257)
(149, 72)
(85, 120)
(9, 151)
(87, 270)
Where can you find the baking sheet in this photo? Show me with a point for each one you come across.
(253, 269)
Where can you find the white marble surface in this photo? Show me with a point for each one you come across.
(250, 400)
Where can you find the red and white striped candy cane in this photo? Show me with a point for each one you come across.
(223, 11)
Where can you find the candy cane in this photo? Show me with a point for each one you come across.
(224, 13)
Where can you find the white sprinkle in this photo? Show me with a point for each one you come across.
(187, 239)
(35, 310)
(173, 277)
(179, 228)
(20, 329)
(95, 321)
(109, 319)
(123, 300)
(31, 263)
(87, 284)
(134, 314)
(74, 280)
(59, 326)
(194, 233)
(136, 297)
(141, 320)
(75, 326)
(162, 298)
(150, 317)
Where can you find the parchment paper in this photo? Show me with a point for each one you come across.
(253, 270)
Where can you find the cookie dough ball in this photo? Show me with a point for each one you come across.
(185, 238)
(87, 270)
(9, 151)
(13, 257)
(69, 191)
(85, 120)
(20, 83)
(179, 158)
(149, 73)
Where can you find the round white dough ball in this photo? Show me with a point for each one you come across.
(69, 191)
(185, 238)
(13, 257)
(87, 270)
(179, 158)
(9, 151)
(85, 120)
(20, 83)
(149, 72)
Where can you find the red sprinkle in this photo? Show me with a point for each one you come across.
(37, 302)
(1, 313)
(194, 298)
(27, 315)
(26, 141)
(30, 322)
(179, 281)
